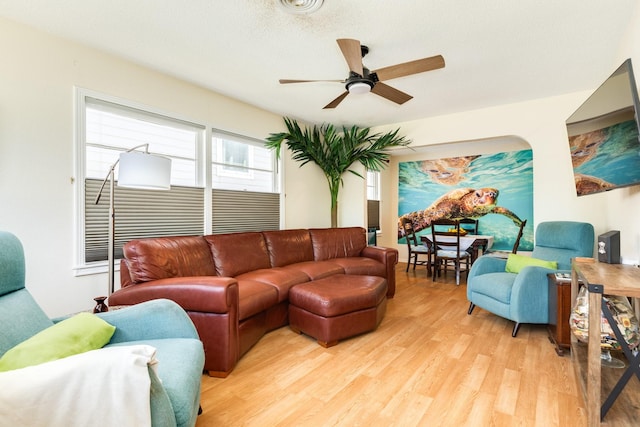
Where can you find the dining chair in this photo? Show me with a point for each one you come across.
(445, 236)
(415, 248)
(469, 225)
(516, 243)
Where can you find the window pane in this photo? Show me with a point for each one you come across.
(112, 129)
(373, 187)
(235, 153)
(242, 166)
(109, 133)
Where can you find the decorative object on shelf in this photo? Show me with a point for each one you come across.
(336, 151)
(137, 170)
(101, 305)
(622, 313)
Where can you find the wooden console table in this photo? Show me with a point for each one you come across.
(610, 279)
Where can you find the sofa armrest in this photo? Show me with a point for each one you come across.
(212, 304)
(205, 294)
(388, 257)
(157, 319)
(530, 295)
(487, 264)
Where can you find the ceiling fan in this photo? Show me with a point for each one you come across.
(362, 80)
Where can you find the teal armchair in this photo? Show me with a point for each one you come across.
(175, 388)
(524, 297)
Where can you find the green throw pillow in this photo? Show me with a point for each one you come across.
(77, 334)
(516, 262)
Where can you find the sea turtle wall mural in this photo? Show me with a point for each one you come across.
(605, 158)
(496, 189)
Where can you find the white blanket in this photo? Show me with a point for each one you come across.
(106, 387)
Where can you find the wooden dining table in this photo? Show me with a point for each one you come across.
(474, 242)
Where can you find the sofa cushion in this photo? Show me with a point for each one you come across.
(255, 297)
(339, 294)
(237, 253)
(329, 243)
(361, 265)
(497, 286)
(279, 278)
(317, 269)
(166, 257)
(288, 246)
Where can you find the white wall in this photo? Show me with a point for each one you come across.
(37, 187)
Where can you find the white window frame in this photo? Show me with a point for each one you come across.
(250, 142)
(204, 167)
(373, 182)
(81, 267)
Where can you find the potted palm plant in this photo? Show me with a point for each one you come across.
(335, 151)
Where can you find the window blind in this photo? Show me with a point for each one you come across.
(139, 214)
(373, 214)
(235, 211)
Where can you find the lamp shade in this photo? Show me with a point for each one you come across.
(143, 170)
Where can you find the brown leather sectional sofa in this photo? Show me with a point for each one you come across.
(235, 286)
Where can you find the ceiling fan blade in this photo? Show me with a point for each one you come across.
(411, 67)
(335, 102)
(352, 53)
(390, 93)
(285, 81)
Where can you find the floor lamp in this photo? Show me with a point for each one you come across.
(137, 170)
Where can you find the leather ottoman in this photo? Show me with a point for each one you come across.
(337, 307)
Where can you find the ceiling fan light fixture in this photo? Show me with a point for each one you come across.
(359, 88)
(300, 6)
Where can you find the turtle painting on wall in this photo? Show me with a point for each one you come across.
(604, 135)
(606, 157)
(496, 189)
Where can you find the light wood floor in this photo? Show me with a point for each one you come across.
(427, 364)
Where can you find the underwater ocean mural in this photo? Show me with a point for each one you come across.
(496, 189)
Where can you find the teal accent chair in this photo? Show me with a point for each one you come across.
(175, 390)
(524, 297)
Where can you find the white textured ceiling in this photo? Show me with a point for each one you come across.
(496, 51)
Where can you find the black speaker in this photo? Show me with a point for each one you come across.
(609, 247)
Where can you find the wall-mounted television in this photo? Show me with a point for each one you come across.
(603, 135)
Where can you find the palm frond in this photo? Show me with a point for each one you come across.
(335, 152)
